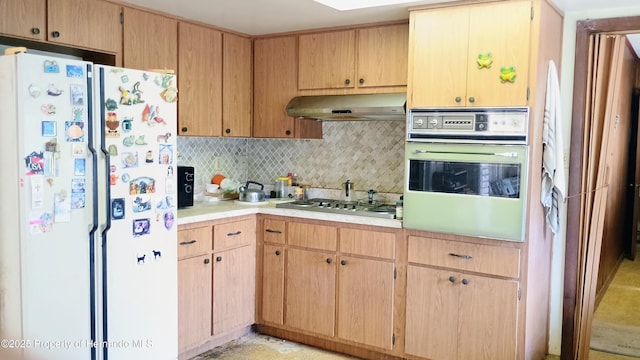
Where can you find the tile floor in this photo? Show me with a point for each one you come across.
(621, 299)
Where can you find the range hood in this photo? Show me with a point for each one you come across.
(350, 107)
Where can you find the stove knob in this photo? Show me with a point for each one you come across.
(346, 206)
(337, 206)
(353, 208)
(321, 204)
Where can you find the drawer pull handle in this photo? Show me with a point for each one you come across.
(188, 242)
(452, 279)
(461, 256)
(235, 233)
(274, 231)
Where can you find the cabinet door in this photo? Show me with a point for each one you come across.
(28, 18)
(275, 68)
(236, 85)
(87, 24)
(432, 313)
(501, 29)
(200, 80)
(150, 41)
(194, 301)
(273, 284)
(233, 289)
(365, 301)
(310, 302)
(438, 57)
(382, 56)
(488, 318)
(326, 60)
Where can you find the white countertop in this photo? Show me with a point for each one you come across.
(212, 210)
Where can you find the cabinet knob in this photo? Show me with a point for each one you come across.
(465, 281)
(458, 99)
(219, 258)
(452, 279)
(361, 81)
(35, 31)
(329, 260)
(347, 81)
(343, 262)
(228, 131)
(206, 261)
(184, 129)
(288, 132)
(472, 99)
(277, 252)
(55, 34)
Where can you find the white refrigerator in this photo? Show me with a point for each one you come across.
(88, 256)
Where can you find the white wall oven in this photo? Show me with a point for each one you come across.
(466, 171)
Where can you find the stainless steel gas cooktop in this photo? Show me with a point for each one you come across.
(385, 211)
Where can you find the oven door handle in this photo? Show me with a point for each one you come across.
(503, 154)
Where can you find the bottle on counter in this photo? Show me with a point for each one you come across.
(295, 180)
(400, 208)
(290, 176)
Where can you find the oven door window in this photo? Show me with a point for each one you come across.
(467, 178)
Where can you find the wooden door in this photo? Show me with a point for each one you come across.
(233, 289)
(28, 18)
(487, 318)
(200, 80)
(88, 24)
(326, 60)
(633, 192)
(502, 30)
(273, 284)
(275, 83)
(194, 301)
(382, 56)
(438, 57)
(236, 85)
(310, 301)
(365, 301)
(150, 41)
(432, 313)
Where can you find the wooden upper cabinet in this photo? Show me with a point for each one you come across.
(199, 80)
(24, 18)
(275, 83)
(79, 23)
(87, 24)
(236, 85)
(327, 60)
(151, 41)
(474, 55)
(382, 56)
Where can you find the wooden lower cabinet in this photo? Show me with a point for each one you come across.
(452, 315)
(233, 288)
(365, 301)
(273, 284)
(310, 303)
(194, 301)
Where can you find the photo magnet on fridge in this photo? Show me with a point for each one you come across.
(75, 71)
(74, 131)
(49, 128)
(117, 209)
(51, 66)
(141, 227)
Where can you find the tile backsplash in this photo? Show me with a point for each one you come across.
(369, 153)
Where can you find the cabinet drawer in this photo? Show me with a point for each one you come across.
(194, 241)
(274, 231)
(234, 234)
(313, 236)
(368, 243)
(488, 259)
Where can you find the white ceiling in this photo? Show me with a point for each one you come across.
(259, 17)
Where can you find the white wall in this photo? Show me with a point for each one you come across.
(566, 85)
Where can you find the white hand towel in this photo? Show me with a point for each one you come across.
(554, 180)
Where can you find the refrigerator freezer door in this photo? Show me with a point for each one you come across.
(138, 114)
(47, 202)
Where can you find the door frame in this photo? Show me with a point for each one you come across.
(584, 29)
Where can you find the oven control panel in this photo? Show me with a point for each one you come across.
(469, 124)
